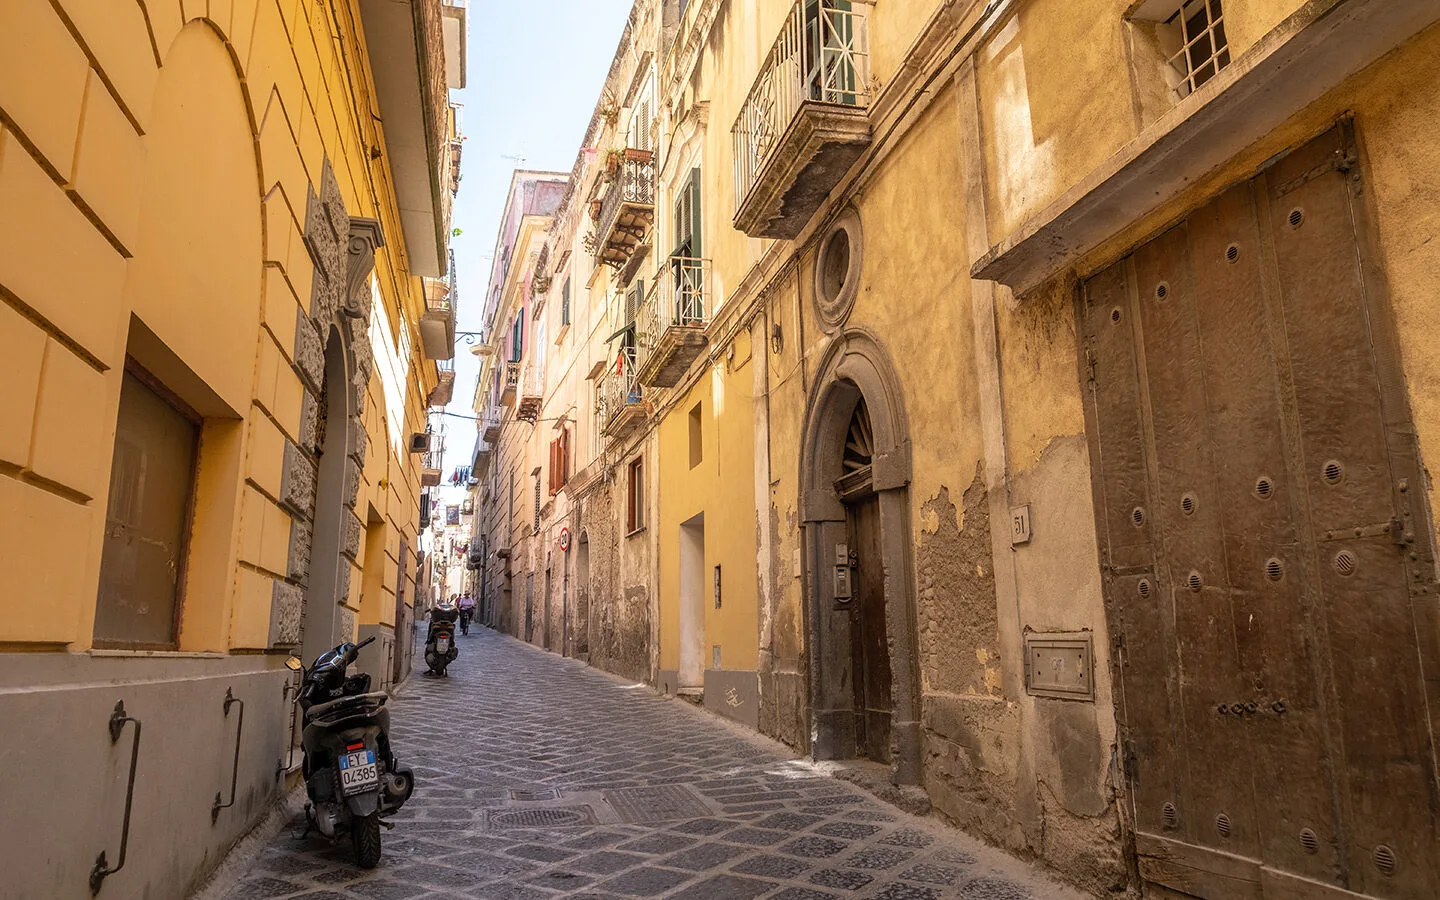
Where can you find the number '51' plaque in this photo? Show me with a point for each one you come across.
(1020, 525)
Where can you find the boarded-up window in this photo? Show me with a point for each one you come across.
(147, 521)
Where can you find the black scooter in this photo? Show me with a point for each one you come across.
(440, 649)
(351, 776)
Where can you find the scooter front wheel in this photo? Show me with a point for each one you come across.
(365, 838)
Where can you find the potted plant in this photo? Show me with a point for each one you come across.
(613, 158)
(595, 206)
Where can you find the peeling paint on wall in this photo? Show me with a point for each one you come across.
(959, 645)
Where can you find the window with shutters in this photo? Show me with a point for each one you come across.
(640, 121)
(634, 296)
(147, 520)
(565, 302)
(560, 461)
(686, 267)
(517, 337)
(635, 496)
(687, 218)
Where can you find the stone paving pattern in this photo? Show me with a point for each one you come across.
(515, 730)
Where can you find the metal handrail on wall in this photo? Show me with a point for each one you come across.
(116, 726)
(230, 700)
(821, 56)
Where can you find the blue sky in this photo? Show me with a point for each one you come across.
(534, 72)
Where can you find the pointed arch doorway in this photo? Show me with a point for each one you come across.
(855, 476)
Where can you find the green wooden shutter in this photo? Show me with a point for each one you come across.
(687, 218)
(695, 221)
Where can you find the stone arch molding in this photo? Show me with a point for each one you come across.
(342, 249)
(856, 365)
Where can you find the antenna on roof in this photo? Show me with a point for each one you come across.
(519, 160)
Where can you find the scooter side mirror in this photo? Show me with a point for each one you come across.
(294, 664)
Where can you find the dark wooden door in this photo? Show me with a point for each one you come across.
(870, 649)
(530, 608)
(1267, 547)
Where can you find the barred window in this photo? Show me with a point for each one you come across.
(1190, 36)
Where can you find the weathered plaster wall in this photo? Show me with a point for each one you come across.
(620, 603)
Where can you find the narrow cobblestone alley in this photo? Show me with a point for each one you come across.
(539, 777)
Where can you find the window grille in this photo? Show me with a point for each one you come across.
(565, 303)
(1204, 51)
(537, 504)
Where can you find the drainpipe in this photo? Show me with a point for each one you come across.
(764, 549)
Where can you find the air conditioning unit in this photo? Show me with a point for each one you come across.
(420, 442)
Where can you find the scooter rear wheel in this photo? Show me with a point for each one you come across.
(365, 838)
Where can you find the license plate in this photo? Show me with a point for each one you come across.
(358, 772)
(442, 645)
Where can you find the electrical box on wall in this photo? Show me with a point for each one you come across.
(1060, 666)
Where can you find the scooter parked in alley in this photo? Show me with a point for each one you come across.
(440, 649)
(351, 776)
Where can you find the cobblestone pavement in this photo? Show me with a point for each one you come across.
(538, 777)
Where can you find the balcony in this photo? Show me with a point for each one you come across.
(621, 409)
(532, 394)
(627, 210)
(437, 323)
(405, 40)
(480, 461)
(490, 427)
(445, 387)
(455, 24)
(805, 121)
(670, 325)
(512, 381)
(430, 468)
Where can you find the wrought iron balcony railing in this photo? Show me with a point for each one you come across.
(430, 467)
(628, 208)
(670, 324)
(620, 396)
(532, 393)
(445, 384)
(810, 95)
(512, 381)
(437, 323)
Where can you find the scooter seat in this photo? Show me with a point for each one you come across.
(331, 706)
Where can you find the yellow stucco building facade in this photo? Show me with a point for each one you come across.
(1027, 401)
(216, 347)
